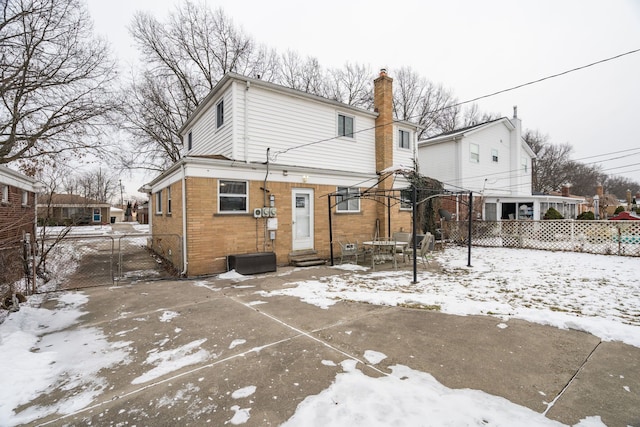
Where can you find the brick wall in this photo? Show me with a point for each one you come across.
(15, 220)
(212, 236)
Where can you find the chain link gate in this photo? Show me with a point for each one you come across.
(75, 262)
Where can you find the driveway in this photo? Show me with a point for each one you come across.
(218, 352)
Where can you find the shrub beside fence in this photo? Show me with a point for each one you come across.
(597, 237)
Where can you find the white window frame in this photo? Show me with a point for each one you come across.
(25, 198)
(244, 195)
(189, 141)
(219, 114)
(401, 134)
(524, 164)
(169, 200)
(342, 133)
(495, 155)
(405, 203)
(158, 202)
(345, 196)
(5, 193)
(474, 153)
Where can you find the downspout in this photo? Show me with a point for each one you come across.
(264, 201)
(185, 262)
(246, 123)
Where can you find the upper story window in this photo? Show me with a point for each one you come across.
(345, 126)
(403, 139)
(232, 196)
(348, 199)
(494, 155)
(25, 197)
(219, 114)
(168, 200)
(5, 194)
(159, 202)
(474, 153)
(189, 141)
(524, 164)
(406, 196)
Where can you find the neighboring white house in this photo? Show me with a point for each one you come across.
(493, 161)
(259, 161)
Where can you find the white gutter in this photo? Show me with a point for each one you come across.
(184, 222)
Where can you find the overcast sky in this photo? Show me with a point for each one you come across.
(473, 47)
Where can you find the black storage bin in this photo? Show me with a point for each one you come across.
(260, 262)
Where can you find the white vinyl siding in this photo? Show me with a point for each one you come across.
(302, 132)
(207, 138)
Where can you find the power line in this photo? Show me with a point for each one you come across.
(611, 58)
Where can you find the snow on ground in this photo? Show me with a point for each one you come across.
(41, 355)
(596, 293)
(410, 398)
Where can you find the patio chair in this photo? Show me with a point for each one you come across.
(402, 237)
(350, 249)
(425, 251)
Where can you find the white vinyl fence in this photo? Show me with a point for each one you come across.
(597, 237)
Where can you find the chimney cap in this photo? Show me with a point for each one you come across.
(383, 72)
(515, 111)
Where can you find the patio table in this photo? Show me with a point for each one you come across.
(384, 250)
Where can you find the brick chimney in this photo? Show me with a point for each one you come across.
(383, 104)
(565, 190)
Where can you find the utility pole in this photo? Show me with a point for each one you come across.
(121, 199)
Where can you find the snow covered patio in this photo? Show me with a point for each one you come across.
(521, 338)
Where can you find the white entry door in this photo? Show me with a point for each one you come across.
(302, 221)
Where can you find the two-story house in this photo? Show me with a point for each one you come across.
(259, 163)
(494, 162)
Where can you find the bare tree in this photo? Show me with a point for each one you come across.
(619, 185)
(551, 169)
(351, 85)
(55, 79)
(183, 59)
(472, 116)
(301, 74)
(421, 101)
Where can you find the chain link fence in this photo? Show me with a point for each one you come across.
(84, 261)
(596, 237)
(15, 281)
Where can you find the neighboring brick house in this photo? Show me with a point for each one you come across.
(18, 198)
(494, 162)
(71, 209)
(251, 145)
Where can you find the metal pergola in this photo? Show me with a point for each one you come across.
(391, 198)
